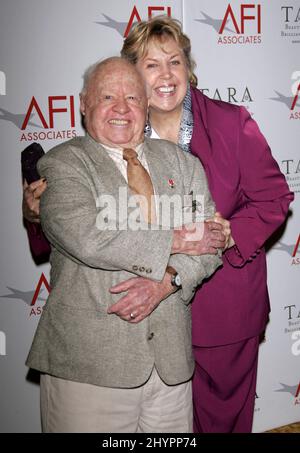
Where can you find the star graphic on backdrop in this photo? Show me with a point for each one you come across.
(215, 23)
(25, 296)
(292, 389)
(285, 248)
(287, 100)
(16, 118)
(111, 23)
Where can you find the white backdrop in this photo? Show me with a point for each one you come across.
(252, 59)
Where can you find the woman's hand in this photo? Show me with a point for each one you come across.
(31, 199)
(226, 230)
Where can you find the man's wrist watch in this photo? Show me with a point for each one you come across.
(175, 277)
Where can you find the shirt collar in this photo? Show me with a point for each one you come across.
(118, 152)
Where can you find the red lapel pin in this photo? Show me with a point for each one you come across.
(171, 183)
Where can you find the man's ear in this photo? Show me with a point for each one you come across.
(82, 104)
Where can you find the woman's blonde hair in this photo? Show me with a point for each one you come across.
(136, 44)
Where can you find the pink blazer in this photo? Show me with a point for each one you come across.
(250, 191)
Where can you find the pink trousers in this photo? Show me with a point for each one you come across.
(224, 386)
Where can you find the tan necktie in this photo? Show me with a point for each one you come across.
(140, 183)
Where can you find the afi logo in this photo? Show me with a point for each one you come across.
(123, 28)
(42, 281)
(52, 109)
(136, 17)
(296, 247)
(295, 87)
(297, 394)
(2, 84)
(295, 259)
(248, 12)
(295, 98)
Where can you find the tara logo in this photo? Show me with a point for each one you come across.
(231, 94)
(293, 312)
(291, 20)
(291, 14)
(291, 169)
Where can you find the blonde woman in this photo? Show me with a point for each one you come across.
(230, 310)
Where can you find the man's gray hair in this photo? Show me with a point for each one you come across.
(88, 74)
(94, 68)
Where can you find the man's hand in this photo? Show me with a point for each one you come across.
(198, 238)
(31, 199)
(143, 296)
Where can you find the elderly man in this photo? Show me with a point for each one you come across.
(114, 365)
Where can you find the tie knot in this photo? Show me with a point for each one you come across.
(129, 153)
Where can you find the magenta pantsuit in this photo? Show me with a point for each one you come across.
(230, 310)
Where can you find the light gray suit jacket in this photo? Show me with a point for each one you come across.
(76, 339)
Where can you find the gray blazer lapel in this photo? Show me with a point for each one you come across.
(111, 181)
(166, 180)
(111, 189)
(111, 178)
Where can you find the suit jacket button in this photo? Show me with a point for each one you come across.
(142, 269)
(150, 336)
(148, 271)
(135, 268)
